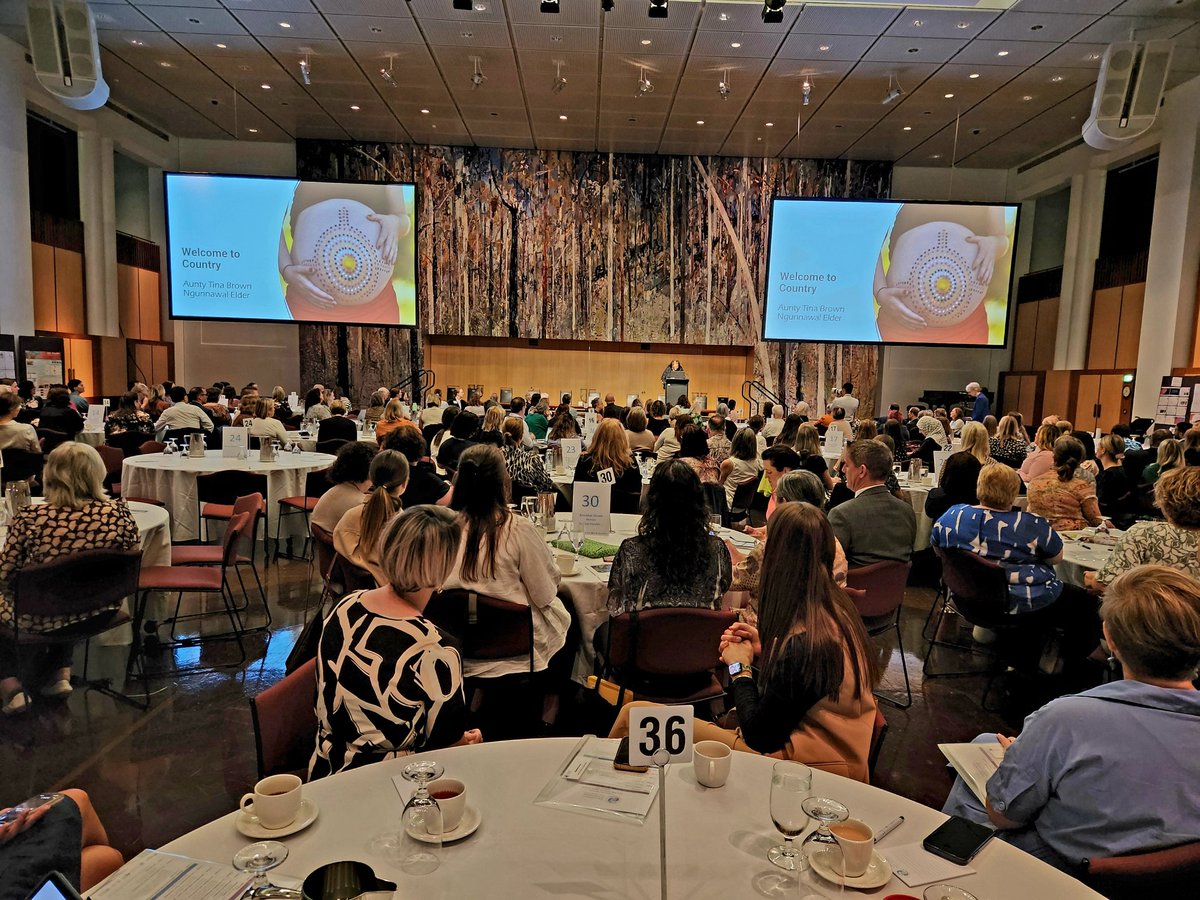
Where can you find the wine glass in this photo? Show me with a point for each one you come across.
(714, 523)
(826, 812)
(421, 834)
(946, 892)
(577, 539)
(259, 858)
(791, 783)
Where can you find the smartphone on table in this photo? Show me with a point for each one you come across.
(958, 840)
(621, 760)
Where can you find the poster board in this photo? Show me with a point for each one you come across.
(8, 356)
(41, 360)
(1178, 400)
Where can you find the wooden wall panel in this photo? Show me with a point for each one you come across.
(160, 362)
(1027, 399)
(1024, 337)
(1047, 334)
(1106, 319)
(80, 362)
(127, 300)
(150, 305)
(1056, 394)
(112, 375)
(1087, 395)
(45, 314)
(1113, 407)
(68, 291)
(1129, 332)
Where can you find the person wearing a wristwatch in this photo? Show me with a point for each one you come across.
(802, 679)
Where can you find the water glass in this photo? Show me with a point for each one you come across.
(791, 784)
(577, 539)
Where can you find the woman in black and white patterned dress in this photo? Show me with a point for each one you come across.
(388, 684)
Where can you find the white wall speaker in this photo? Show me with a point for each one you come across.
(1128, 92)
(66, 53)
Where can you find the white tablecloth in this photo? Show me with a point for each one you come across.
(565, 482)
(716, 840)
(172, 479)
(1079, 558)
(309, 444)
(92, 438)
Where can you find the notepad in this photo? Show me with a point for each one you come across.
(914, 865)
(975, 763)
(166, 876)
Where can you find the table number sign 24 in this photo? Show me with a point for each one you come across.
(660, 735)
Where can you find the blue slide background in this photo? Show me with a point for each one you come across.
(241, 214)
(838, 239)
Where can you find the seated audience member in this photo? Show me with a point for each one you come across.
(725, 411)
(314, 405)
(895, 429)
(1168, 457)
(1191, 446)
(975, 441)
(526, 468)
(866, 430)
(77, 515)
(989, 422)
(1041, 460)
(1173, 541)
(657, 422)
(610, 450)
(1089, 468)
(956, 484)
(791, 427)
(505, 555)
(128, 418)
(434, 434)
(673, 560)
(425, 486)
(493, 419)
(637, 434)
(388, 681)
(794, 487)
(181, 414)
(564, 425)
(340, 427)
(536, 421)
(1027, 547)
(1060, 496)
(693, 450)
(461, 434)
(957, 420)
(718, 443)
(809, 695)
(283, 409)
(356, 535)
(1010, 445)
(264, 425)
(755, 424)
(31, 403)
(777, 462)
(16, 435)
(933, 439)
(431, 416)
(774, 422)
(875, 526)
(741, 465)
(58, 414)
(1118, 501)
(840, 423)
(475, 404)
(612, 411)
(75, 389)
(214, 410)
(667, 444)
(1111, 771)
(350, 476)
(375, 407)
(67, 838)
(808, 448)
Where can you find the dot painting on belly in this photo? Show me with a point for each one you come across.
(933, 262)
(337, 239)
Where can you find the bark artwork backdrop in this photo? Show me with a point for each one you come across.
(592, 247)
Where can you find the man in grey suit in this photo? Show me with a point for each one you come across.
(875, 526)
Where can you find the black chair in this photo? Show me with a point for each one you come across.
(877, 592)
(743, 499)
(77, 583)
(181, 434)
(331, 446)
(128, 442)
(218, 491)
(714, 496)
(52, 438)
(21, 465)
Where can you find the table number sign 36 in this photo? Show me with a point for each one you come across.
(660, 734)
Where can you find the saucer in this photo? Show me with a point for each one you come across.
(466, 827)
(252, 828)
(826, 862)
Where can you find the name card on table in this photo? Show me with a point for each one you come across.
(835, 440)
(660, 735)
(590, 506)
(606, 476)
(571, 450)
(235, 442)
(95, 417)
(939, 460)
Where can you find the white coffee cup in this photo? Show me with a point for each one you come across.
(857, 841)
(275, 801)
(451, 796)
(565, 561)
(711, 760)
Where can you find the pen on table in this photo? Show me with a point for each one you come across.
(888, 828)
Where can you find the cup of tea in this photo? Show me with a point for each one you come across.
(451, 796)
(711, 760)
(275, 801)
(565, 561)
(857, 841)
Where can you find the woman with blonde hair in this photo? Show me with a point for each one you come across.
(493, 419)
(975, 441)
(356, 536)
(1169, 457)
(394, 415)
(1010, 445)
(1117, 498)
(1041, 460)
(609, 450)
(77, 515)
(264, 425)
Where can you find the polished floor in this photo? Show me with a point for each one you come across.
(157, 774)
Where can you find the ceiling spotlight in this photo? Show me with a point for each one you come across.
(1002, 53)
(893, 92)
(355, 107)
(963, 25)
(477, 77)
(549, 6)
(285, 24)
(735, 44)
(644, 85)
(606, 5)
(658, 9)
(973, 75)
(386, 74)
(948, 96)
(252, 130)
(824, 48)
(770, 124)
(265, 86)
(772, 11)
(699, 121)
(306, 70)
(1056, 78)
(424, 112)
(908, 128)
(137, 43)
(723, 86)
(645, 42)
(222, 46)
(560, 83)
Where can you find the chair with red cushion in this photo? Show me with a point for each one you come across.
(196, 579)
(1173, 872)
(877, 591)
(315, 484)
(147, 447)
(113, 458)
(218, 491)
(285, 723)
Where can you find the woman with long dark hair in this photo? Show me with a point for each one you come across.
(695, 452)
(809, 696)
(564, 425)
(673, 560)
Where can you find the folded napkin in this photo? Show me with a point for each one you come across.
(591, 549)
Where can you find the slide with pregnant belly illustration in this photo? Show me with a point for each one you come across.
(923, 273)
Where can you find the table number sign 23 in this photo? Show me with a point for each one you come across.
(660, 734)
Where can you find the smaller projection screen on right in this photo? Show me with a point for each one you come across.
(887, 272)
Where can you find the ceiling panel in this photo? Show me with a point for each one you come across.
(272, 24)
(541, 37)
(374, 28)
(983, 52)
(1019, 25)
(958, 24)
(739, 17)
(190, 20)
(912, 49)
(818, 47)
(841, 20)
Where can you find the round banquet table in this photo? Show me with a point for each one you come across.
(309, 444)
(716, 839)
(1081, 557)
(565, 482)
(172, 479)
(92, 438)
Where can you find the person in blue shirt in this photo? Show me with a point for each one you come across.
(983, 407)
(1113, 770)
